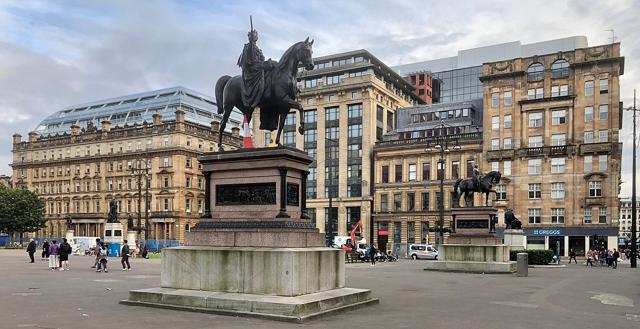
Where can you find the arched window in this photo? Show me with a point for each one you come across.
(187, 228)
(535, 72)
(560, 69)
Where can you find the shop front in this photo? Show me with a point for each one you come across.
(563, 239)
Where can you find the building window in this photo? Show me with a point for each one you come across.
(588, 88)
(354, 171)
(602, 215)
(507, 121)
(165, 182)
(558, 117)
(310, 116)
(560, 69)
(561, 90)
(588, 114)
(603, 136)
(535, 166)
(603, 112)
(384, 202)
(602, 162)
(310, 135)
(166, 162)
(165, 204)
(588, 163)
(595, 189)
(332, 113)
(588, 137)
(535, 141)
(495, 144)
(557, 190)
(558, 139)
(385, 174)
(495, 99)
(424, 200)
(535, 119)
(355, 111)
(508, 100)
(535, 93)
(188, 162)
(495, 123)
(535, 191)
(440, 171)
(534, 215)
(557, 215)
(604, 86)
(398, 173)
(507, 168)
(354, 151)
(290, 119)
(535, 72)
(557, 165)
(354, 95)
(501, 192)
(411, 201)
(507, 143)
(426, 171)
(587, 216)
(290, 138)
(397, 201)
(455, 169)
(413, 172)
(355, 131)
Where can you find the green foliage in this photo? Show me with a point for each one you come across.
(20, 211)
(536, 257)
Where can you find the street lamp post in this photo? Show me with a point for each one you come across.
(329, 230)
(442, 145)
(142, 172)
(634, 245)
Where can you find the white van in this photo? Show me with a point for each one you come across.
(424, 251)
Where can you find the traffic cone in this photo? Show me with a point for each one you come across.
(247, 141)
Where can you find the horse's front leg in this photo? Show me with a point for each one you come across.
(282, 119)
(295, 105)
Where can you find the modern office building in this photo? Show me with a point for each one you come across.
(552, 121)
(456, 78)
(82, 157)
(408, 171)
(422, 84)
(350, 102)
(624, 224)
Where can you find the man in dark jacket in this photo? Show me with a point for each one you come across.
(45, 250)
(65, 251)
(614, 258)
(125, 256)
(31, 249)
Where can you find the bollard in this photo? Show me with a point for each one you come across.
(523, 264)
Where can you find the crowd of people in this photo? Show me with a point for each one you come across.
(605, 257)
(57, 254)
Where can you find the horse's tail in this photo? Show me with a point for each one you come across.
(456, 185)
(219, 92)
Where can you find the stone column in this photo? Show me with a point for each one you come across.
(546, 242)
(207, 195)
(566, 246)
(303, 195)
(283, 193)
(586, 245)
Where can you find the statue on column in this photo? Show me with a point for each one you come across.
(113, 212)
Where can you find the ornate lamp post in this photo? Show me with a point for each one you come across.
(441, 144)
(329, 229)
(142, 172)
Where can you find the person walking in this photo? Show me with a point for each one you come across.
(614, 258)
(590, 257)
(572, 255)
(372, 254)
(45, 250)
(65, 251)
(124, 252)
(54, 251)
(31, 249)
(96, 252)
(102, 255)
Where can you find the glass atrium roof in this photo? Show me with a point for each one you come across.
(137, 108)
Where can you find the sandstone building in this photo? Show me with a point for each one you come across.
(81, 158)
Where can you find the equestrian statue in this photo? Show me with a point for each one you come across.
(268, 84)
(477, 183)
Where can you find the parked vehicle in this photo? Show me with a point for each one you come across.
(424, 251)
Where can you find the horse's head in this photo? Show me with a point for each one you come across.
(494, 177)
(305, 54)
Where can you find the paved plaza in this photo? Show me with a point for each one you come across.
(569, 297)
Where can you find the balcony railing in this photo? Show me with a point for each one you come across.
(500, 154)
(425, 140)
(596, 148)
(545, 151)
(161, 214)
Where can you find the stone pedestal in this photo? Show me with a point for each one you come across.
(514, 238)
(69, 235)
(257, 254)
(473, 245)
(131, 239)
(113, 233)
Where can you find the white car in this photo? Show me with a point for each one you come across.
(423, 251)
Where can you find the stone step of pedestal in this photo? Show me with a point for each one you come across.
(472, 267)
(293, 309)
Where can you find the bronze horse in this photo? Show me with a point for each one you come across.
(279, 96)
(468, 186)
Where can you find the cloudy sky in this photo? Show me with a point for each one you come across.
(54, 54)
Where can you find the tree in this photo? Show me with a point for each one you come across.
(20, 211)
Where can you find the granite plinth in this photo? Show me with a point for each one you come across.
(292, 309)
(271, 238)
(474, 239)
(514, 238)
(264, 271)
(472, 267)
